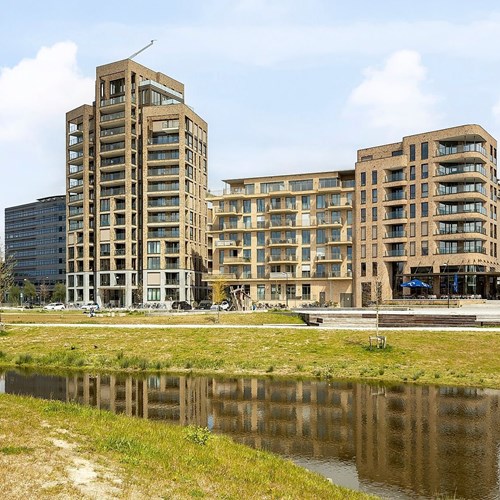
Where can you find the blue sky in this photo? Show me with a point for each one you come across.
(285, 86)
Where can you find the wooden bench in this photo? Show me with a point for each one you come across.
(379, 341)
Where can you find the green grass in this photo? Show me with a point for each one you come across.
(156, 317)
(151, 459)
(422, 357)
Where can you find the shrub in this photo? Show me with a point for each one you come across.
(197, 435)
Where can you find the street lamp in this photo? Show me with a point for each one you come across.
(448, 284)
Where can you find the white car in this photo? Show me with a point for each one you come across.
(90, 306)
(55, 306)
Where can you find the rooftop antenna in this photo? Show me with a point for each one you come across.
(143, 49)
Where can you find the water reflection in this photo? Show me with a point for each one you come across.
(399, 442)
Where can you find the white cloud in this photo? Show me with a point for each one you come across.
(34, 97)
(394, 98)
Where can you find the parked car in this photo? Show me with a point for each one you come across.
(204, 304)
(90, 306)
(223, 306)
(181, 305)
(55, 306)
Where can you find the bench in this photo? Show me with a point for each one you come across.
(379, 341)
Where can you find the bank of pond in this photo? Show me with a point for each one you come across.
(394, 441)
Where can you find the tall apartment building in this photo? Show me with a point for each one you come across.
(136, 187)
(286, 239)
(427, 208)
(35, 236)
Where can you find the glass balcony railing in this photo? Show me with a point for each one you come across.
(444, 150)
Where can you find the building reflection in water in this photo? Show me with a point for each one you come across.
(417, 440)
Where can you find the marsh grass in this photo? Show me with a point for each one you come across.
(152, 459)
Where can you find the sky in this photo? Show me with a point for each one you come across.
(286, 86)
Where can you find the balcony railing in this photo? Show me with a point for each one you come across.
(461, 148)
(461, 169)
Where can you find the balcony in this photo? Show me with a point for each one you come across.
(444, 190)
(227, 243)
(460, 169)
(399, 214)
(460, 250)
(460, 210)
(395, 177)
(282, 241)
(444, 150)
(395, 235)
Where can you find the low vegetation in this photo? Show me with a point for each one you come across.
(59, 450)
(424, 357)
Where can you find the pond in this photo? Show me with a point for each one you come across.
(398, 441)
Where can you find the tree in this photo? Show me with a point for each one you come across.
(44, 292)
(219, 286)
(59, 293)
(6, 278)
(14, 294)
(29, 291)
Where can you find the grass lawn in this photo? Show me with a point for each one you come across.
(447, 358)
(56, 450)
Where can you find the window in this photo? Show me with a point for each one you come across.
(261, 255)
(374, 214)
(153, 294)
(363, 268)
(374, 250)
(320, 201)
(425, 190)
(412, 210)
(374, 232)
(374, 177)
(261, 238)
(153, 262)
(374, 269)
(261, 271)
(105, 205)
(306, 236)
(363, 233)
(424, 171)
(363, 179)
(305, 185)
(261, 292)
(424, 229)
(104, 219)
(247, 239)
(306, 253)
(247, 206)
(363, 197)
(320, 236)
(105, 249)
(154, 247)
(412, 152)
(424, 209)
(412, 248)
(425, 248)
(363, 251)
(412, 230)
(374, 195)
(261, 205)
(306, 202)
(412, 173)
(424, 151)
(306, 292)
(363, 215)
(412, 191)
